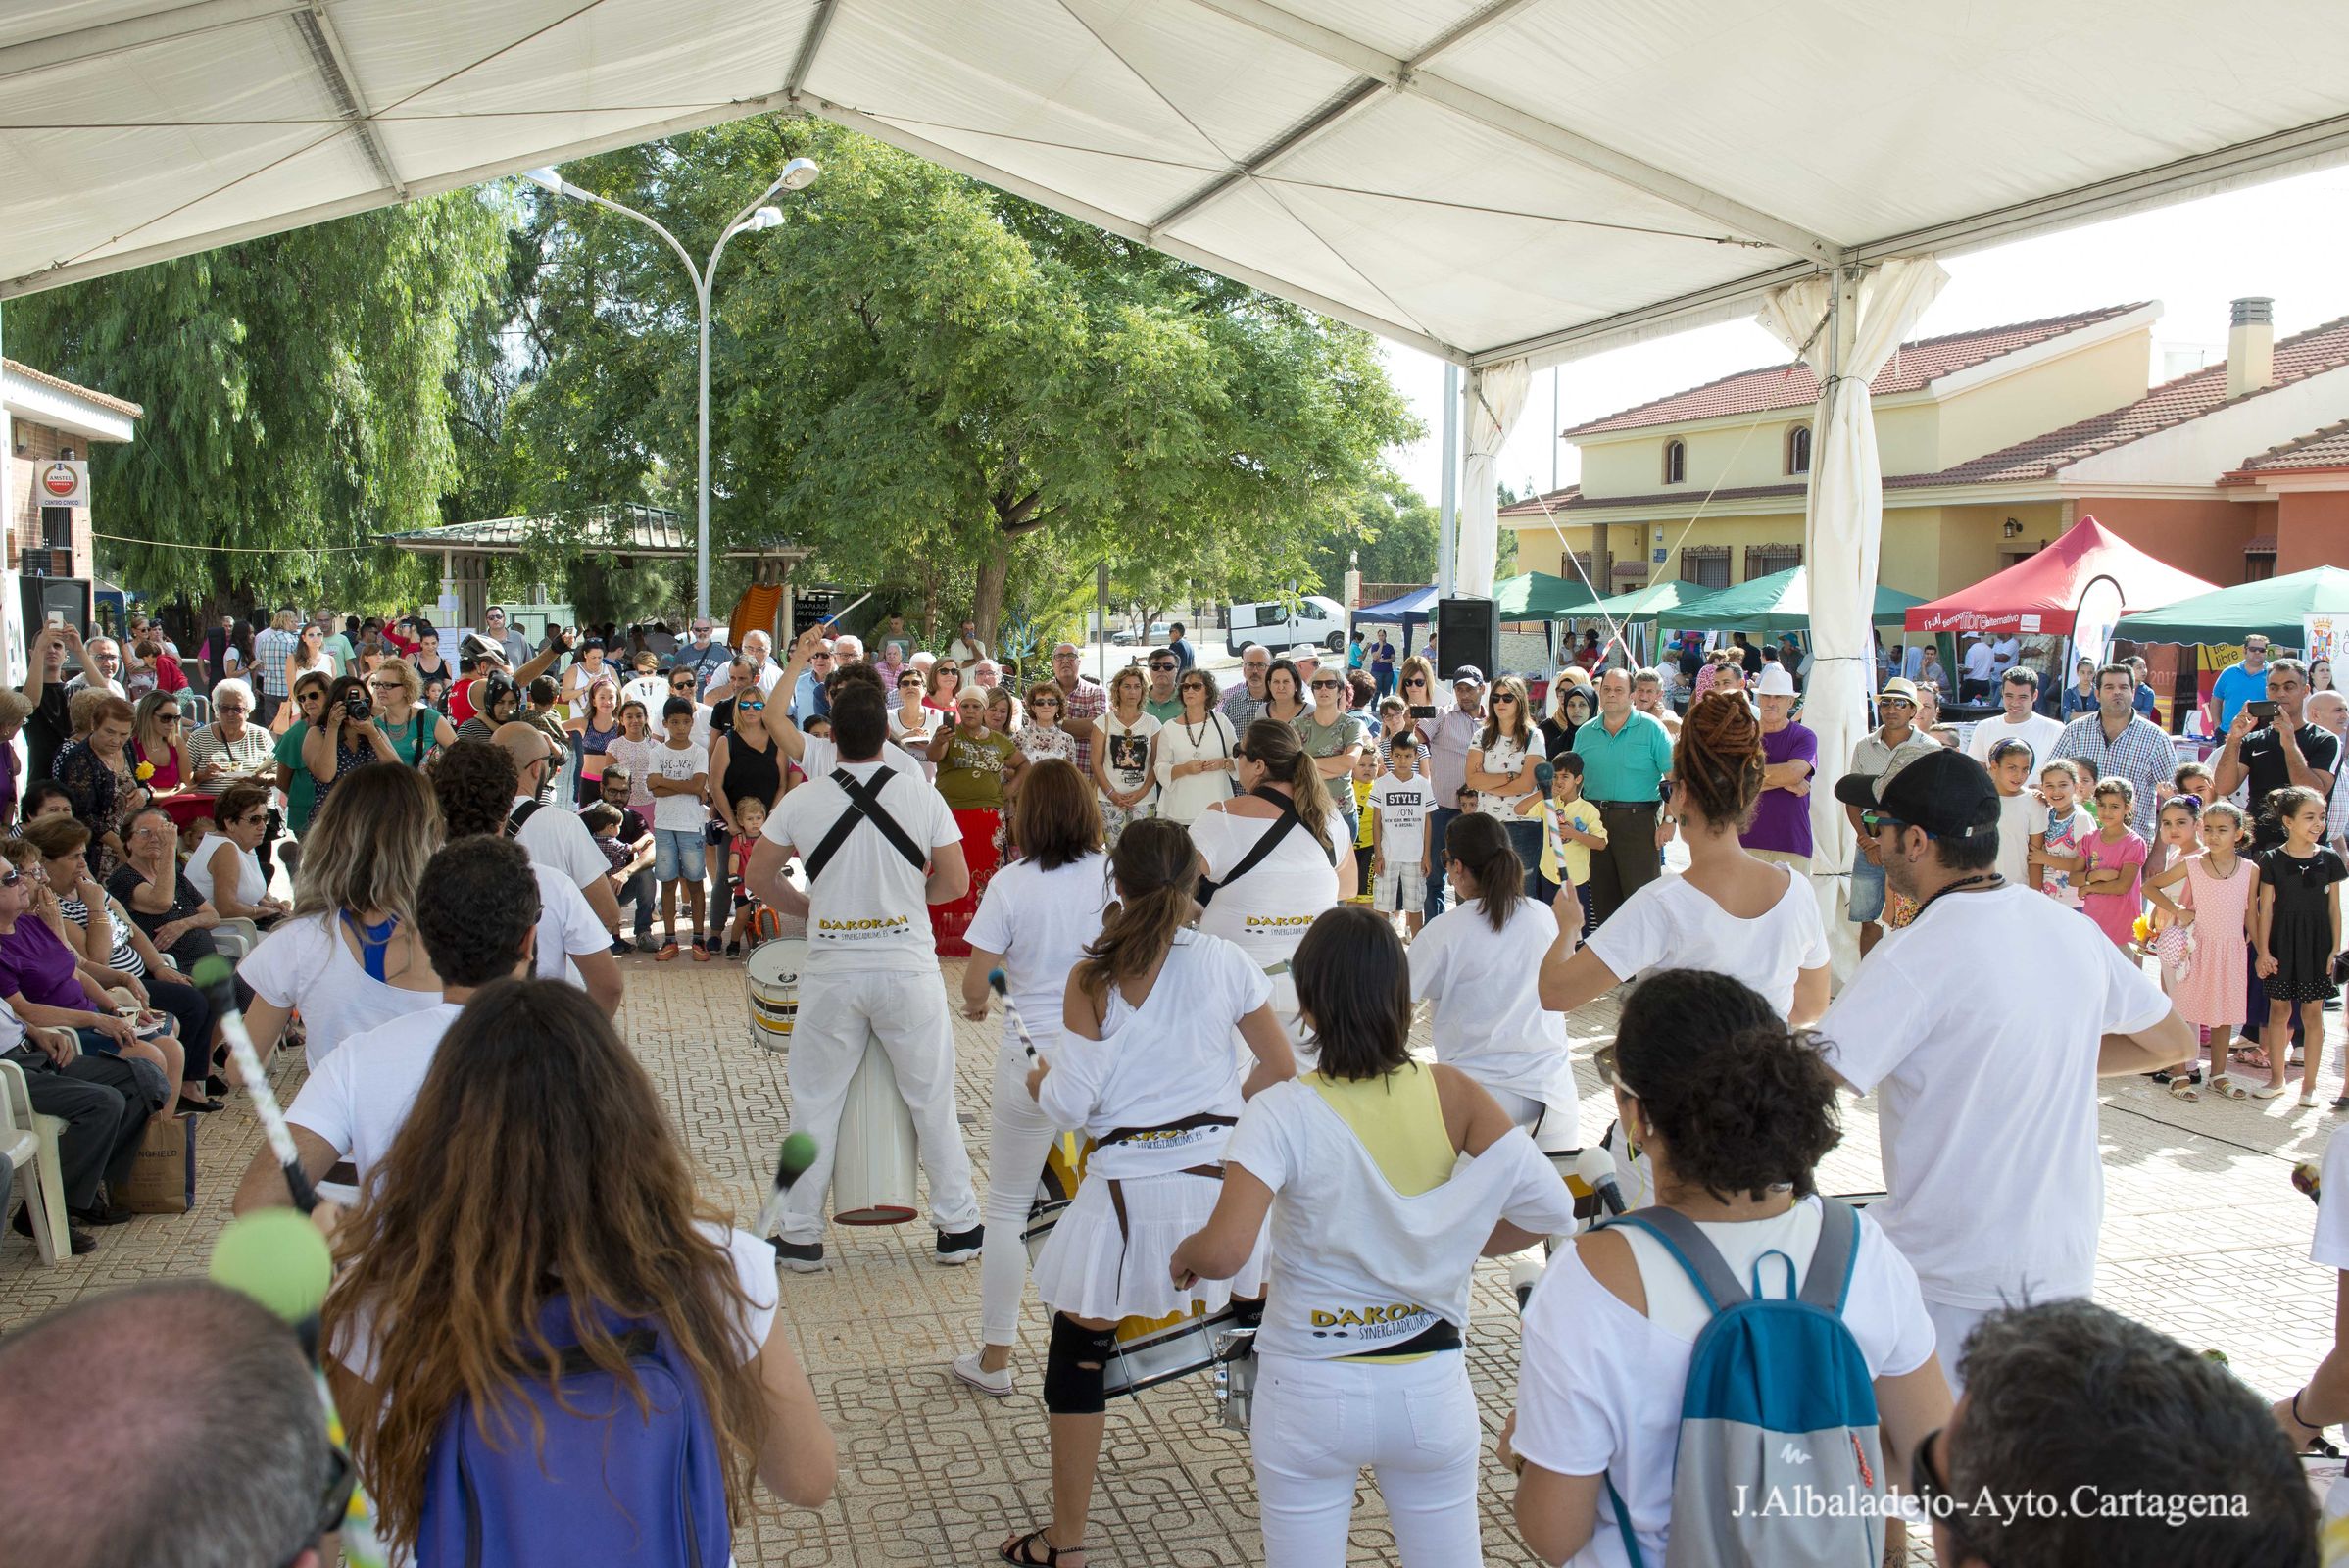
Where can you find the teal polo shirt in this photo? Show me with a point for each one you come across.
(1628, 766)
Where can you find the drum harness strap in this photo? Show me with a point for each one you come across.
(522, 812)
(864, 805)
(1265, 845)
(1117, 1191)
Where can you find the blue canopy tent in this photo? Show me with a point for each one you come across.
(1406, 611)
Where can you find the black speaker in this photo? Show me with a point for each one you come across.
(1466, 634)
(68, 596)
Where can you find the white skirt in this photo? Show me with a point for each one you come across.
(1087, 1270)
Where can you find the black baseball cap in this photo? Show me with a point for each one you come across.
(1945, 792)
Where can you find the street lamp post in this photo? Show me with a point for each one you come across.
(755, 216)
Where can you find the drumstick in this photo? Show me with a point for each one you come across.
(1002, 988)
(799, 1153)
(216, 973)
(833, 618)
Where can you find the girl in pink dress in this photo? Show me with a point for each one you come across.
(2113, 857)
(2221, 890)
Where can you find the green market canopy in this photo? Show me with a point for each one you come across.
(2273, 607)
(1538, 596)
(1777, 602)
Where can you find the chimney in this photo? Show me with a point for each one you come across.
(2250, 345)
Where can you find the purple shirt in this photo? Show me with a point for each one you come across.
(37, 966)
(1781, 820)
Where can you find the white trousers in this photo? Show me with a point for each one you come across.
(1317, 1423)
(1016, 1147)
(906, 1011)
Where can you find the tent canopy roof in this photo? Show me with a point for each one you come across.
(2040, 593)
(2271, 608)
(1649, 603)
(1780, 601)
(1403, 609)
(653, 532)
(1481, 179)
(1538, 596)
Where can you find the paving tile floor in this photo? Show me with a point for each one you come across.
(2204, 1237)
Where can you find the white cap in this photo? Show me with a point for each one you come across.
(1774, 682)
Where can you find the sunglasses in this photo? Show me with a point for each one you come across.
(1416, 680)
(1044, 702)
(11, 878)
(383, 685)
(1878, 822)
(1162, 666)
(750, 707)
(1193, 686)
(168, 715)
(1504, 697)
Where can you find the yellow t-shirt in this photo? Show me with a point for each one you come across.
(1557, 854)
(1362, 818)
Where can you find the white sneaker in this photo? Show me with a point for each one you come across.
(995, 1383)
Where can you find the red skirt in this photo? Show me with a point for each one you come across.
(950, 922)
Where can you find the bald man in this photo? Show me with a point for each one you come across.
(553, 836)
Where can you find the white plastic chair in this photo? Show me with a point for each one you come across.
(235, 937)
(29, 1139)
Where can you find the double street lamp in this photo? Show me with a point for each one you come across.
(756, 215)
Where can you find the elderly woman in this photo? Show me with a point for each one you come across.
(232, 749)
(226, 868)
(414, 731)
(96, 771)
(986, 672)
(161, 899)
(975, 760)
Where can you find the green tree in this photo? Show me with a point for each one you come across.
(298, 396)
(1392, 526)
(934, 384)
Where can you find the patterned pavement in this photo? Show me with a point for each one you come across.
(2204, 1237)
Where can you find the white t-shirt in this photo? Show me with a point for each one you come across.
(1266, 911)
(1669, 924)
(567, 927)
(1128, 762)
(305, 963)
(557, 838)
(2015, 814)
(2331, 1245)
(1489, 1021)
(1402, 804)
(679, 813)
(2038, 732)
(754, 1260)
(820, 756)
(1506, 754)
(1989, 1090)
(1040, 921)
(1599, 1385)
(357, 1099)
(867, 911)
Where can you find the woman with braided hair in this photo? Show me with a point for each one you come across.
(1731, 911)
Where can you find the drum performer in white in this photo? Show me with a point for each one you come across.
(1146, 1068)
(879, 846)
(1376, 1228)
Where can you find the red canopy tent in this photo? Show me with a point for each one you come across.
(2041, 594)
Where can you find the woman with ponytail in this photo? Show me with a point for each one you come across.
(1478, 962)
(1275, 856)
(1730, 911)
(1145, 1067)
(1733, 1111)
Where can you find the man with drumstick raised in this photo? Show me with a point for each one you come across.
(879, 846)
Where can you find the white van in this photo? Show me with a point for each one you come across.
(1314, 621)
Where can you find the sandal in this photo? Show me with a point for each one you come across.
(2253, 1056)
(2227, 1087)
(1021, 1554)
(2180, 1089)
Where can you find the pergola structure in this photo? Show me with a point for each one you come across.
(626, 533)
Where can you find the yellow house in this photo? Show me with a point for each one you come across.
(1708, 483)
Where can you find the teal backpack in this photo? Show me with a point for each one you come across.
(1780, 1461)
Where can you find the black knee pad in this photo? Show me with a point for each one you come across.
(1076, 1364)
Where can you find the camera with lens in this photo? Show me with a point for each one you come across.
(356, 707)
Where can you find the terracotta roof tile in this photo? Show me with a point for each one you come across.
(1791, 386)
(59, 384)
(2327, 448)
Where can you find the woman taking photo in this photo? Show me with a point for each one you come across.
(1277, 855)
(1752, 919)
(96, 773)
(1733, 1113)
(1125, 756)
(348, 958)
(1501, 767)
(414, 730)
(1415, 679)
(975, 761)
(1369, 1144)
(1284, 693)
(1197, 751)
(1478, 962)
(745, 764)
(224, 868)
(537, 1125)
(589, 737)
(343, 738)
(1034, 923)
(1146, 1068)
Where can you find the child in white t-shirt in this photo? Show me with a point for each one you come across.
(678, 779)
(2057, 825)
(2010, 771)
(1403, 799)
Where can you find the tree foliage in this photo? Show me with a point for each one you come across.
(298, 397)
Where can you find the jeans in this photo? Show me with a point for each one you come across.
(1415, 1424)
(1439, 820)
(642, 888)
(1525, 837)
(677, 853)
(1867, 891)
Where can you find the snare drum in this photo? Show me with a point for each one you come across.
(875, 1165)
(772, 978)
(1154, 1351)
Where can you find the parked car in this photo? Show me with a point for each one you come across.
(1126, 635)
(1311, 622)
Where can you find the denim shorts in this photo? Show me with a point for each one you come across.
(1867, 890)
(677, 853)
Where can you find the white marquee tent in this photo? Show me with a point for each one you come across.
(1505, 183)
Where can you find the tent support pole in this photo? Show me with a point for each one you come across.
(1447, 537)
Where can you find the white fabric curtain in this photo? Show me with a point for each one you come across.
(1494, 397)
(1847, 326)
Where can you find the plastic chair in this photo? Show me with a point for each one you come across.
(235, 937)
(28, 1138)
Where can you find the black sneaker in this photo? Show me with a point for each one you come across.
(2341, 1104)
(958, 1247)
(734, 949)
(621, 947)
(801, 1257)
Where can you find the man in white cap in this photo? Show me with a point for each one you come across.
(1876, 755)
(2018, 693)
(1781, 829)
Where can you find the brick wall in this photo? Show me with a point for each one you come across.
(39, 443)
